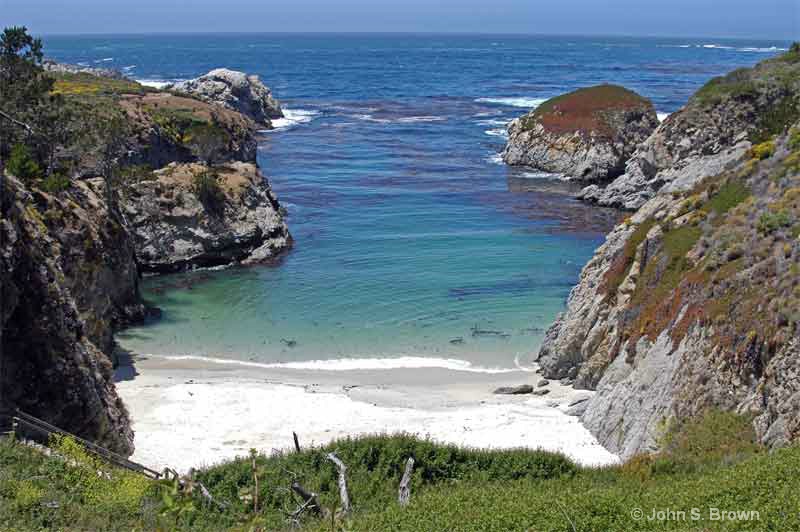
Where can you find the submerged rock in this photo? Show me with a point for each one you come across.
(587, 134)
(174, 229)
(234, 90)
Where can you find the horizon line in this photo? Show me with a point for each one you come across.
(431, 33)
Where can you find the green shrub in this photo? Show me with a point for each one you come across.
(769, 222)
(208, 190)
(56, 182)
(22, 164)
(762, 151)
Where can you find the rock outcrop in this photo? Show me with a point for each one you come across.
(175, 227)
(692, 301)
(714, 129)
(588, 134)
(234, 90)
(68, 278)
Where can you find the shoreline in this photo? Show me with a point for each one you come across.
(193, 413)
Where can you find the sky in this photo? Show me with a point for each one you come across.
(767, 19)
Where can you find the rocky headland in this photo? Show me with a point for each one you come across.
(159, 182)
(691, 303)
(234, 90)
(587, 134)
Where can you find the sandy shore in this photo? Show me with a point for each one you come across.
(191, 413)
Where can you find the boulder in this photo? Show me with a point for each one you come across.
(234, 90)
(587, 135)
(522, 389)
(175, 228)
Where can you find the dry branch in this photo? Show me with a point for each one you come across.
(343, 494)
(404, 491)
(310, 500)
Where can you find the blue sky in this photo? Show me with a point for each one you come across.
(768, 19)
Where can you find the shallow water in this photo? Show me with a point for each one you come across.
(411, 239)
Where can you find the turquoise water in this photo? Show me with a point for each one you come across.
(411, 240)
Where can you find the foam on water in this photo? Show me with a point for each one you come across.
(662, 116)
(519, 101)
(154, 83)
(362, 364)
(293, 117)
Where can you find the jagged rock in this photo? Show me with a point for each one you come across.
(234, 90)
(522, 389)
(64, 68)
(659, 323)
(542, 391)
(587, 134)
(713, 131)
(68, 277)
(173, 230)
(543, 382)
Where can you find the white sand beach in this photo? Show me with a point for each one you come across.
(192, 413)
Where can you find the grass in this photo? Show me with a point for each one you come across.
(711, 461)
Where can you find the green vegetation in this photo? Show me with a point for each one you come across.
(770, 222)
(729, 195)
(207, 188)
(711, 461)
(21, 163)
(85, 84)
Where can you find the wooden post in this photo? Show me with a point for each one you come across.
(404, 492)
(343, 495)
(296, 442)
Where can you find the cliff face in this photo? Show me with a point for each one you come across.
(70, 260)
(692, 302)
(714, 129)
(587, 134)
(68, 277)
(174, 230)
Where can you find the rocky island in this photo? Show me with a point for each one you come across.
(587, 134)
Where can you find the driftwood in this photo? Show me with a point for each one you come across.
(404, 491)
(310, 501)
(343, 494)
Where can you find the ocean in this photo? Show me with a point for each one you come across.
(414, 245)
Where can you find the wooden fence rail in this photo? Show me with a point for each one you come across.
(24, 424)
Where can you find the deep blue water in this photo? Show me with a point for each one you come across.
(408, 232)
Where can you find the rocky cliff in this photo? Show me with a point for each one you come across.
(693, 301)
(715, 128)
(68, 278)
(587, 134)
(234, 90)
(176, 227)
(72, 249)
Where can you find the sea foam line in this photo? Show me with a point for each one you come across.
(355, 364)
(293, 117)
(514, 101)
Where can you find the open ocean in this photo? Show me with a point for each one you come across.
(414, 245)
